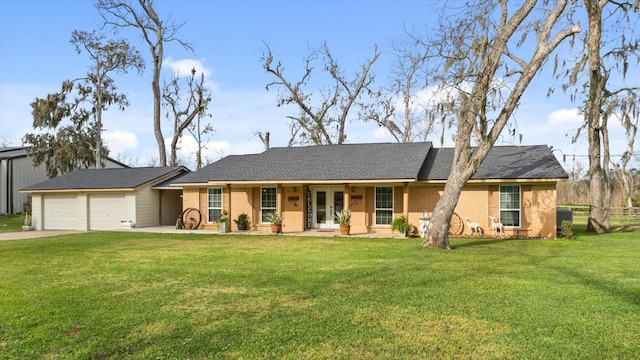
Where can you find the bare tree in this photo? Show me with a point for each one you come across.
(182, 112)
(329, 109)
(481, 51)
(127, 158)
(408, 82)
(576, 190)
(155, 32)
(199, 130)
(265, 138)
(602, 56)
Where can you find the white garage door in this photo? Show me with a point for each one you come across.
(60, 212)
(106, 211)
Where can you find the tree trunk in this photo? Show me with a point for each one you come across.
(98, 117)
(465, 163)
(157, 126)
(199, 157)
(599, 186)
(441, 218)
(472, 109)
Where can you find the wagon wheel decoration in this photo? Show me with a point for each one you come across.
(456, 226)
(191, 218)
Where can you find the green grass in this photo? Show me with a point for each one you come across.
(11, 222)
(139, 295)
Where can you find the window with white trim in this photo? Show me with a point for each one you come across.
(214, 204)
(384, 205)
(268, 203)
(510, 205)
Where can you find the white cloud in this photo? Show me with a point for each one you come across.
(121, 142)
(381, 133)
(212, 149)
(565, 117)
(183, 67)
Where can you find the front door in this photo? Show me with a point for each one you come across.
(327, 202)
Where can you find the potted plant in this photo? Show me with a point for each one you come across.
(400, 225)
(276, 222)
(223, 225)
(242, 221)
(343, 217)
(27, 222)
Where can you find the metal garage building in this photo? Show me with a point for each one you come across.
(17, 171)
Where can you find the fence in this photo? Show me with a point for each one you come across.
(618, 215)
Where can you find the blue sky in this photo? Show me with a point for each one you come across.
(228, 39)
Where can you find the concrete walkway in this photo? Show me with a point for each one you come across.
(19, 235)
(312, 232)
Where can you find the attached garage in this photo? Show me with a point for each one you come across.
(105, 210)
(62, 211)
(99, 199)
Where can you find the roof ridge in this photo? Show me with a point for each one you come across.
(350, 144)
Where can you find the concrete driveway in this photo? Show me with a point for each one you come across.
(21, 235)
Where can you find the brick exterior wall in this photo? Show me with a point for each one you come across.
(477, 202)
(293, 212)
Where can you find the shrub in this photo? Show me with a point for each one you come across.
(567, 229)
(400, 224)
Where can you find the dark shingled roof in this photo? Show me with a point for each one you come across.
(116, 178)
(345, 162)
(502, 162)
(166, 184)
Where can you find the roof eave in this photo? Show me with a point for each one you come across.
(292, 182)
(75, 190)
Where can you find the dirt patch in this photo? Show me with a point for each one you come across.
(74, 330)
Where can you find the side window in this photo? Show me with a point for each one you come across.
(384, 205)
(214, 204)
(268, 200)
(510, 205)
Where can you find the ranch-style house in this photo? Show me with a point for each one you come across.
(377, 182)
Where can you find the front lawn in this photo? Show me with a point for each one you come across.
(11, 222)
(140, 295)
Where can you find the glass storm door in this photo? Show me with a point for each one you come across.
(327, 202)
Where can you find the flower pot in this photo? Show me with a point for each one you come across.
(243, 227)
(276, 228)
(127, 224)
(345, 229)
(222, 227)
